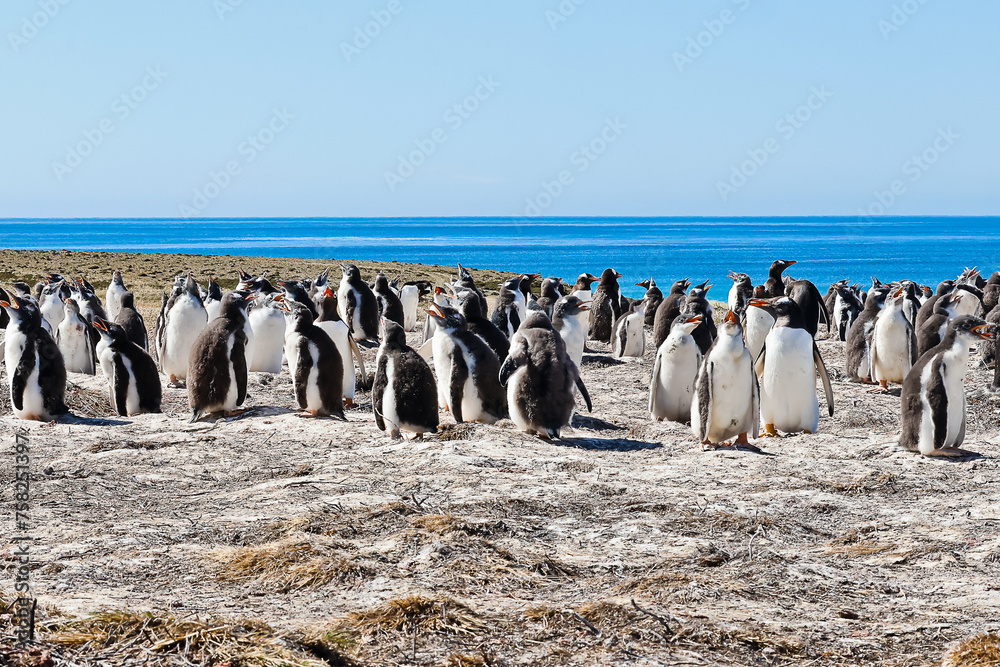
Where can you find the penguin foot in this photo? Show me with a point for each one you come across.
(175, 383)
(952, 452)
(349, 404)
(418, 436)
(708, 446)
(770, 431)
(807, 432)
(882, 388)
(229, 414)
(395, 434)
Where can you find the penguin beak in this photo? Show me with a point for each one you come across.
(731, 317)
(250, 297)
(984, 331)
(617, 275)
(707, 287)
(696, 318)
(100, 325)
(898, 293)
(435, 311)
(279, 297)
(759, 303)
(7, 304)
(790, 262)
(328, 292)
(583, 306)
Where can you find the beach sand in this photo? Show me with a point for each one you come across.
(278, 538)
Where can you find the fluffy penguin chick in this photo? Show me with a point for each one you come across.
(184, 318)
(570, 319)
(315, 365)
(404, 396)
(540, 378)
(75, 342)
(267, 321)
(36, 371)
(217, 365)
(675, 371)
(894, 344)
(628, 339)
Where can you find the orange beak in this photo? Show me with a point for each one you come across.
(731, 317)
(759, 303)
(435, 310)
(9, 304)
(696, 318)
(100, 325)
(978, 330)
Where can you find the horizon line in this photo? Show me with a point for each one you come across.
(872, 218)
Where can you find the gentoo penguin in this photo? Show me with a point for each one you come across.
(846, 309)
(925, 293)
(129, 319)
(296, 291)
(90, 305)
(605, 306)
(50, 303)
(550, 293)
(113, 297)
(184, 319)
(570, 319)
(697, 303)
(315, 365)
(726, 401)
(404, 396)
(212, 298)
(133, 381)
(810, 301)
(467, 282)
(505, 315)
(357, 303)
(991, 293)
(629, 338)
(740, 293)
(338, 331)
(830, 297)
(75, 341)
(468, 305)
(893, 348)
(757, 323)
(668, 311)
(653, 299)
(267, 344)
(775, 284)
(927, 309)
(524, 287)
(159, 327)
(972, 302)
(541, 379)
(933, 396)
(468, 372)
(857, 352)
(389, 305)
(409, 297)
(317, 287)
(217, 364)
(934, 327)
(36, 371)
(674, 372)
(911, 304)
(260, 284)
(787, 369)
(581, 289)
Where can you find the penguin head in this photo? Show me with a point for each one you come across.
(423, 287)
(469, 305)
(393, 336)
(293, 290)
(699, 291)
(731, 326)
(21, 288)
(116, 278)
(779, 265)
(526, 281)
(944, 287)
(741, 279)
(22, 311)
(191, 286)
(328, 305)
(759, 292)
(973, 328)
(686, 323)
(71, 307)
(513, 284)
(609, 277)
(645, 284)
(381, 282)
(111, 332)
(351, 273)
(536, 319)
(447, 317)
(52, 278)
(299, 316)
(680, 286)
(322, 279)
(234, 304)
(783, 309)
(569, 306)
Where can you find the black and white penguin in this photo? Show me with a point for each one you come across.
(726, 401)
(36, 371)
(357, 303)
(76, 341)
(90, 306)
(697, 303)
(582, 288)
(113, 296)
(409, 297)
(605, 306)
(847, 307)
(260, 284)
(525, 284)
(404, 396)
(787, 375)
(129, 319)
(814, 312)
(265, 348)
(740, 293)
(50, 303)
(933, 396)
(775, 285)
(338, 331)
(468, 305)
(757, 323)
(911, 304)
(468, 372)
(467, 282)
(318, 286)
(571, 320)
(389, 305)
(669, 310)
(541, 379)
(550, 293)
(893, 346)
(133, 381)
(934, 327)
(159, 328)
(629, 337)
(674, 372)
(505, 314)
(217, 364)
(184, 319)
(857, 352)
(927, 309)
(653, 299)
(315, 364)
(296, 291)
(972, 303)
(212, 298)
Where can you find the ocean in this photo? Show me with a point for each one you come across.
(827, 249)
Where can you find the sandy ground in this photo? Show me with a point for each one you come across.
(623, 544)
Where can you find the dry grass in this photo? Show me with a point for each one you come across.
(979, 651)
(291, 564)
(416, 614)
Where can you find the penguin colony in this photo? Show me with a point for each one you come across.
(754, 375)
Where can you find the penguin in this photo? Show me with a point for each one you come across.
(36, 371)
(133, 381)
(991, 293)
(441, 299)
(467, 370)
(159, 329)
(581, 289)
(468, 305)
(653, 299)
(212, 298)
(787, 369)
(933, 396)
(810, 301)
(184, 319)
(467, 282)
(389, 305)
(857, 352)
(50, 303)
(317, 287)
(697, 303)
(550, 293)
(846, 309)
(315, 364)
(260, 284)
(129, 319)
(605, 306)
(338, 331)
(973, 302)
(409, 297)
(629, 338)
(527, 280)
(668, 311)
(830, 298)
(774, 286)
(927, 309)
(674, 372)
(570, 319)
(295, 291)
(925, 294)
(265, 348)
(726, 400)
(756, 323)
(404, 395)
(740, 293)
(934, 327)
(893, 348)
(90, 306)
(113, 297)
(541, 379)
(505, 315)
(911, 304)
(75, 342)
(358, 306)
(217, 364)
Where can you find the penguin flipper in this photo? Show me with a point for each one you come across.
(507, 369)
(821, 369)
(703, 388)
(459, 374)
(303, 367)
(583, 392)
(352, 305)
(196, 416)
(654, 386)
(426, 350)
(758, 366)
(119, 392)
(755, 405)
(378, 390)
(357, 355)
(238, 358)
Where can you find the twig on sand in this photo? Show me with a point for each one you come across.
(577, 616)
(659, 619)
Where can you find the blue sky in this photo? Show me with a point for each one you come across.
(266, 108)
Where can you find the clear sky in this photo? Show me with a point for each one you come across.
(639, 107)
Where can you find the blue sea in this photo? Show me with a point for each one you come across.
(927, 250)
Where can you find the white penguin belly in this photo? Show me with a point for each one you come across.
(892, 354)
(32, 401)
(212, 307)
(517, 415)
(472, 402)
(314, 401)
(268, 340)
(574, 335)
(389, 413)
(732, 399)
(443, 349)
(75, 347)
(185, 321)
(409, 296)
(635, 344)
(788, 384)
(956, 362)
(132, 394)
(339, 334)
(677, 363)
(759, 324)
(53, 312)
